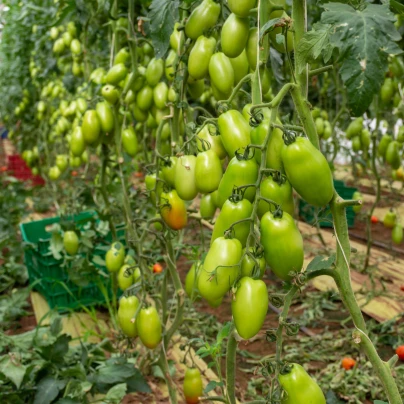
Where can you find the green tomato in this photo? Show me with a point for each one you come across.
(202, 18)
(77, 142)
(196, 88)
(208, 171)
(221, 72)
(59, 46)
(319, 122)
(239, 172)
(207, 207)
(299, 387)
(91, 127)
(356, 144)
(185, 182)
(207, 137)
(354, 128)
(110, 93)
(234, 131)
(71, 242)
(122, 56)
(125, 277)
(97, 76)
(191, 280)
(129, 141)
(115, 257)
(393, 154)
(176, 37)
(116, 74)
(160, 95)
(220, 269)
(105, 117)
(240, 66)
(234, 35)
(154, 72)
(144, 98)
(251, 48)
(62, 162)
(171, 62)
(383, 144)
(232, 211)
(199, 57)
(397, 234)
(275, 145)
(387, 91)
(140, 115)
(390, 219)
(241, 7)
(249, 307)
(128, 307)
(248, 264)
(168, 170)
(193, 386)
(280, 192)
(357, 196)
(308, 171)
(54, 173)
(283, 244)
(67, 39)
(149, 327)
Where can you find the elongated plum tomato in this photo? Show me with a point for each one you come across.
(115, 257)
(280, 192)
(232, 211)
(199, 57)
(191, 280)
(202, 18)
(283, 244)
(208, 171)
(241, 7)
(126, 315)
(193, 386)
(207, 207)
(129, 141)
(125, 277)
(91, 127)
(234, 131)
(173, 210)
(149, 327)
(168, 170)
(308, 171)
(209, 135)
(220, 269)
(239, 172)
(71, 242)
(221, 72)
(299, 387)
(105, 116)
(249, 306)
(248, 264)
(234, 35)
(185, 182)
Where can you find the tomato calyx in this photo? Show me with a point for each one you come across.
(289, 137)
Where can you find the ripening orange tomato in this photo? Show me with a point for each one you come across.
(173, 210)
(348, 363)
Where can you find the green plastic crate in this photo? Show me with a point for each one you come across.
(308, 212)
(46, 274)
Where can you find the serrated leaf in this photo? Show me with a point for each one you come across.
(224, 332)
(364, 39)
(116, 393)
(313, 44)
(138, 383)
(11, 368)
(320, 262)
(163, 14)
(47, 390)
(211, 386)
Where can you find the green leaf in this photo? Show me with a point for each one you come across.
(364, 39)
(211, 386)
(55, 353)
(162, 15)
(157, 372)
(269, 26)
(116, 393)
(380, 402)
(98, 260)
(332, 398)
(138, 383)
(313, 44)
(47, 390)
(56, 245)
(320, 262)
(224, 332)
(117, 373)
(56, 326)
(11, 368)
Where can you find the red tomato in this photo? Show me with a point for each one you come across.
(74, 173)
(374, 219)
(400, 352)
(157, 268)
(348, 363)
